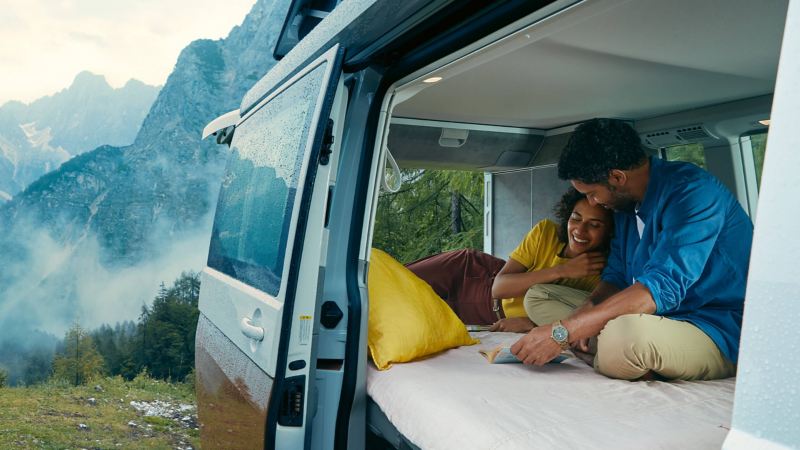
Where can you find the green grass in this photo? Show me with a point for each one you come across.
(50, 415)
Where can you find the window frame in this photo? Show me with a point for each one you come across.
(748, 173)
(219, 258)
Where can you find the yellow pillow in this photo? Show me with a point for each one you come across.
(407, 320)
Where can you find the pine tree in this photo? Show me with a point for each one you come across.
(166, 329)
(38, 366)
(434, 211)
(79, 362)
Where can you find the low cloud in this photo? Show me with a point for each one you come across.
(59, 284)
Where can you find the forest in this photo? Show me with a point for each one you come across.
(160, 343)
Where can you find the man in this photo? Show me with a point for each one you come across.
(671, 297)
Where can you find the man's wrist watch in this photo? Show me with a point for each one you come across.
(560, 334)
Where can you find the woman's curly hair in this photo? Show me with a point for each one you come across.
(563, 210)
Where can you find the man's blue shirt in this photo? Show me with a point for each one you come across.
(693, 254)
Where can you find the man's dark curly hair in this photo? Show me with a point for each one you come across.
(598, 146)
(563, 209)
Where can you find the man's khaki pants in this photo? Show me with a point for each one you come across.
(634, 344)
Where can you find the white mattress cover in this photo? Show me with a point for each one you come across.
(456, 400)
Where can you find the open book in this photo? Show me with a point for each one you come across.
(502, 355)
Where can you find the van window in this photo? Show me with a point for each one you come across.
(256, 200)
(758, 143)
(434, 211)
(692, 153)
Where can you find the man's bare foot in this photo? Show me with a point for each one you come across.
(651, 376)
(513, 325)
(588, 358)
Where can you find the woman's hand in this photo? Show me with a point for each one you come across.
(513, 325)
(583, 265)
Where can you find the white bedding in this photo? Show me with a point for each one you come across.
(456, 400)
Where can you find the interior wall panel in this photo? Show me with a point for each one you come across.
(519, 200)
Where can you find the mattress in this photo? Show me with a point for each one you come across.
(457, 400)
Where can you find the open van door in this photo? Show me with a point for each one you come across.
(255, 339)
(766, 409)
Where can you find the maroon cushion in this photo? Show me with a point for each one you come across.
(463, 278)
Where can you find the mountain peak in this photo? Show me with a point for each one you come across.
(89, 79)
(133, 82)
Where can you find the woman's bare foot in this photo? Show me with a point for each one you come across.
(513, 325)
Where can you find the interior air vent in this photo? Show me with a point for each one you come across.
(693, 133)
(676, 136)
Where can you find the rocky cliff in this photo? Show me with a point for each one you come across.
(37, 138)
(95, 238)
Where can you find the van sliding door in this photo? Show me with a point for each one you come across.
(255, 335)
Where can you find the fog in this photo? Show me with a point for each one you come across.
(64, 283)
(51, 285)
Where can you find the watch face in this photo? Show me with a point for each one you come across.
(560, 333)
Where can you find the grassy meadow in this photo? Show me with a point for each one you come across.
(106, 413)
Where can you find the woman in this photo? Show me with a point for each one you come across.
(469, 279)
(555, 267)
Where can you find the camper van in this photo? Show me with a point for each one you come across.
(365, 87)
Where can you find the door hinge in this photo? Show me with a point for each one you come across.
(327, 144)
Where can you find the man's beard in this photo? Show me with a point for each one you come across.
(622, 202)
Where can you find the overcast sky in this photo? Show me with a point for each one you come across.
(45, 43)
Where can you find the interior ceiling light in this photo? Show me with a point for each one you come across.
(764, 122)
(432, 80)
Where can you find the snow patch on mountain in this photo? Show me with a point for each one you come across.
(37, 138)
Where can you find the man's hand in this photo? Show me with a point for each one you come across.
(513, 325)
(583, 265)
(582, 345)
(536, 347)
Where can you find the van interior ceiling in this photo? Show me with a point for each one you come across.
(510, 97)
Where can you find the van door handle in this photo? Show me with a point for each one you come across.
(250, 330)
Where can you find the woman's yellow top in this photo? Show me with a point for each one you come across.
(540, 250)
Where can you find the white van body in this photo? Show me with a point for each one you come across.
(281, 341)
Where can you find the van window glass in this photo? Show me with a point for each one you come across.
(257, 196)
(758, 142)
(692, 153)
(434, 211)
